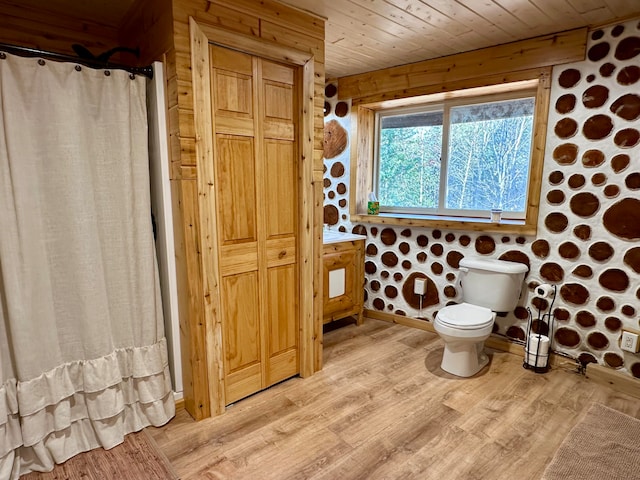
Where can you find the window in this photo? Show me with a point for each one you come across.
(445, 157)
(457, 157)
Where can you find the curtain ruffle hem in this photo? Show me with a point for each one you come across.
(82, 405)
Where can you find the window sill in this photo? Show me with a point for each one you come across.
(453, 223)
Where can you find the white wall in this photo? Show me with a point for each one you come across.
(161, 209)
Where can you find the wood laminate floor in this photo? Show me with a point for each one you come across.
(383, 409)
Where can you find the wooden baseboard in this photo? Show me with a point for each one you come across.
(495, 342)
(614, 379)
(400, 320)
(179, 404)
(423, 324)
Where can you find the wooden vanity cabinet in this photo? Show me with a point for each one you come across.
(343, 280)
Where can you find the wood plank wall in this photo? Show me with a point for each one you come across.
(464, 69)
(161, 29)
(267, 20)
(148, 25)
(39, 28)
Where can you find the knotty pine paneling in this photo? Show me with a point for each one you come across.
(184, 94)
(367, 35)
(170, 68)
(318, 222)
(39, 28)
(220, 13)
(278, 24)
(161, 29)
(277, 12)
(148, 26)
(193, 335)
(284, 36)
(394, 82)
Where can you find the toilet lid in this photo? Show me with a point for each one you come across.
(465, 316)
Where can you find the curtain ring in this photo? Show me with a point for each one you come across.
(78, 68)
(132, 76)
(3, 55)
(41, 62)
(107, 73)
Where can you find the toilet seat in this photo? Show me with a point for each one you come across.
(465, 316)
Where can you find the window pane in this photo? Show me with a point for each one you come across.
(489, 152)
(409, 160)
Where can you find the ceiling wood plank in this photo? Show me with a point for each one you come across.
(436, 26)
(484, 30)
(494, 13)
(526, 12)
(555, 9)
(359, 35)
(522, 55)
(397, 32)
(622, 8)
(423, 27)
(592, 11)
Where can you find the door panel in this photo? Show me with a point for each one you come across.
(281, 226)
(233, 94)
(281, 251)
(241, 329)
(278, 73)
(279, 101)
(283, 178)
(238, 258)
(282, 308)
(230, 60)
(242, 335)
(256, 183)
(232, 83)
(283, 332)
(234, 126)
(236, 188)
(243, 383)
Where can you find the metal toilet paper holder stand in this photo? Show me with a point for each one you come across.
(538, 345)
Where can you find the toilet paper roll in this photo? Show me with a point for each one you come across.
(537, 353)
(545, 291)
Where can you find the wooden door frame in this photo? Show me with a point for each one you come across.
(201, 35)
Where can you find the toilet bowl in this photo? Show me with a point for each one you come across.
(464, 328)
(488, 286)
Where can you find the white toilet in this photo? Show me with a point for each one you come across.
(488, 286)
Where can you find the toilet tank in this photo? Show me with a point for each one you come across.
(491, 283)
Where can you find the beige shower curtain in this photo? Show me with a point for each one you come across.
(83, 357)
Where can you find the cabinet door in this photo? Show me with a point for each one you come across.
(339, 282)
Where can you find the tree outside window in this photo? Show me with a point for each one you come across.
(456, 159)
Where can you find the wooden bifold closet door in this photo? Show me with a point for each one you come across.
(256, 184)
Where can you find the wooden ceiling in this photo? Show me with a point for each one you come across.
(366, 35)
(107, 12)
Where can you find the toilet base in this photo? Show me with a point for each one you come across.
(464, 359)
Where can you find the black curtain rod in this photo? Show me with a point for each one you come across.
(32, 52)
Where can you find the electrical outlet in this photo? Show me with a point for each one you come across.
(629, 341)
(420, 286)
